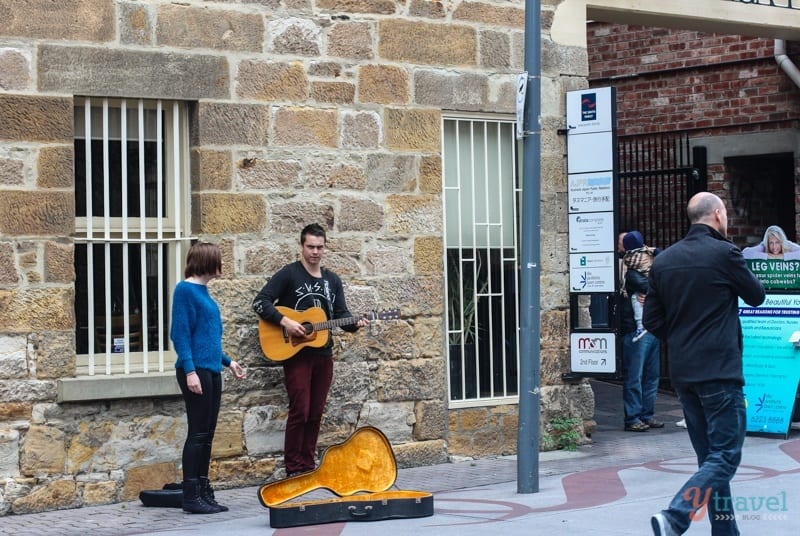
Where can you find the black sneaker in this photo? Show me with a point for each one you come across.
(652, 423)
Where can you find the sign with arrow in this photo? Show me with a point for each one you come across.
(593, 352)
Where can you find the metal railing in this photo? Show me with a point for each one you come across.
(481, 197)
(131, 182)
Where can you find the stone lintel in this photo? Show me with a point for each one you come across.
(125, 73)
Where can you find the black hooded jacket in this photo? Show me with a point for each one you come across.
(692, 304)
(634, 282)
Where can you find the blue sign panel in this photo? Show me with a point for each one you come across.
(589, 106)
(771, 362)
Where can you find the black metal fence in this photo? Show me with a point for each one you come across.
(657, 176)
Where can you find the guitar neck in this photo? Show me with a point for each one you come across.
(335, 323)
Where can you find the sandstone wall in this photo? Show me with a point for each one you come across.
(303, 110)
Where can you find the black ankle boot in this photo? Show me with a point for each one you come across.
(207, 494)
(193, 503)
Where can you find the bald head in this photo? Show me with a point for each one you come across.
(709, 209)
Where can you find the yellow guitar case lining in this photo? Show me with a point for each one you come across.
(360, 471)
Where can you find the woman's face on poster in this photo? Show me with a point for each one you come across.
(774, 245)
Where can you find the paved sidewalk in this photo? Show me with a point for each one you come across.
(610, 487)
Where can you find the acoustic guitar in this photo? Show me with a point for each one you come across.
(278, 345)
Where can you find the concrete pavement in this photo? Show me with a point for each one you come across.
(610, 487)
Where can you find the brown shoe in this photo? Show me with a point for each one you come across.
(638, 426)
(652, 423)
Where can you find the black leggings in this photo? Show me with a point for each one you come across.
(201, 414)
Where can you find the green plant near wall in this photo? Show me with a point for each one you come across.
(462, 299)
(562, 433)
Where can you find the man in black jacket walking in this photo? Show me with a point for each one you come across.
(692, 304)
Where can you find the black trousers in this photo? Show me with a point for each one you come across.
(202, 412)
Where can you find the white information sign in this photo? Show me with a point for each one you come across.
(593, 352)
(591, 192)
(590, 152)
(592, 272)
(591, 232)
(590, 110)
(522, 88)
(591, 121)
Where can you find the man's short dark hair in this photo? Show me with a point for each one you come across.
(313, 229)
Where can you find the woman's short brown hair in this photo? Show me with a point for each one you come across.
(203, 259)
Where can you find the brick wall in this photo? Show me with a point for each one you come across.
(710, 85)
(684, 80)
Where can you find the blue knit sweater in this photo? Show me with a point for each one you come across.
(196, 330)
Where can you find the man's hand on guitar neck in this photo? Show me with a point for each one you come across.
(296, 329)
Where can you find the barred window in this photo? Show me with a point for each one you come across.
(132, 226)
(481, 198)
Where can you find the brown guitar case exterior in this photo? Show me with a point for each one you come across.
(360, 471)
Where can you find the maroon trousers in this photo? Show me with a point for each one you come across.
(308, 378)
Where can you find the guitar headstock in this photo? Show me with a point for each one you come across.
(386, 314)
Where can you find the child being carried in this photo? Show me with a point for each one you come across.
(638, 257)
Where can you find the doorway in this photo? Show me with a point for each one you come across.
(762, 193)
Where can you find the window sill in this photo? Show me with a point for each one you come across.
(103, 387)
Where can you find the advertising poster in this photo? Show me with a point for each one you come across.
(776, 273)
(771, 362)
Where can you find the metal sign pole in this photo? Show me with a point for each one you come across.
(530, 266)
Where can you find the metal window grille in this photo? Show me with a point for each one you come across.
(132, 226)
(481, 195)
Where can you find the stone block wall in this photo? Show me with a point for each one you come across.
(301, 110)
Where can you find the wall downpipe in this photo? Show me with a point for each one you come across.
(785, 62)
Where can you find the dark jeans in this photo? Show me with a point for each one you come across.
(308, 379)
(716, 421)
(202, 412)
(641, 366)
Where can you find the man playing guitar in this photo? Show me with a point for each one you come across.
(308, 375)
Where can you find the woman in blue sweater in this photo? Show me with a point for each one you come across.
(196, 334)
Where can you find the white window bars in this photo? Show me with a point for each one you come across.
(132, 222)
(481, 198)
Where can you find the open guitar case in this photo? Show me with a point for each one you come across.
(360, 471)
